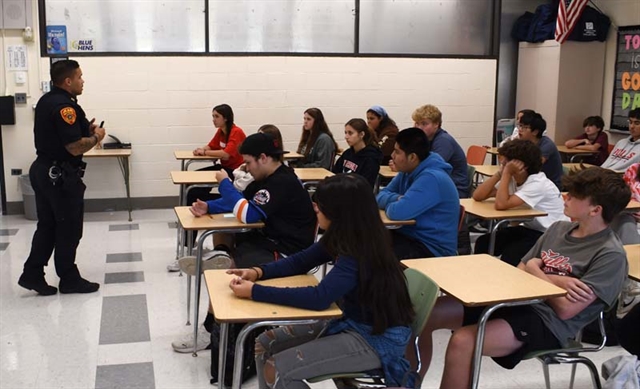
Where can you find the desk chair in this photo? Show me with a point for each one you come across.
(571, 355)
(471, 172)
(423, 292)
(476, 155)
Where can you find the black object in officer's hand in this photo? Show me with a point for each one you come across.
(115, 145)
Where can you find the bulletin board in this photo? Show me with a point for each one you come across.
(626, 89)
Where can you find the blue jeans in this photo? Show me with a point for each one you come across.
(297, 354)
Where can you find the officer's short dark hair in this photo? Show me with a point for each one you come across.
(62, 70)
(414, 140)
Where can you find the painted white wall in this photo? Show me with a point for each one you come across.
(162, 104)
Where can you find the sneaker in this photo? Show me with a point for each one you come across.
(478, 228)
(218, 260)
(38, 284)
(78, 286)
(185, 345)
(173, 267)
(629, 298)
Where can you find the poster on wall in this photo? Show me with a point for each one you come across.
(626, 89)
(56, 39)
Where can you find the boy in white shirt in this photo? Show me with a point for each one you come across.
(520, 181)
(627, 151)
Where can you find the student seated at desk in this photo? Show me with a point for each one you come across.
(363, 156)
(593, 139)
(422, 191)
(626, 223)
(224, 146)
(366, 280)
(428, 118)
(276, 197)
(531, 127)
(516, 133)
(627, 151)
(241, 176)
(584, 257)
(519, 182)
(316, 142)
(385, 129)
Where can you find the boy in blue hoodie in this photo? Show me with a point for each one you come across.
(422, 191)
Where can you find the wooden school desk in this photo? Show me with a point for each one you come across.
(492, 150)
(386, 172)
(122, 155)
(486, 210)
(312, 175)
(574, 153)
(187, 181)
(186, 158)
(479, 280)
(633, 206)
(394, 224)
(633, 257)
(292, 156)
(227, 308)
(223, 223)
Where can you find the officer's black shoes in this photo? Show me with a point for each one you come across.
(78, 286)
(38, 284)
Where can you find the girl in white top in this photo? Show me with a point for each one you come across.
(520, 182)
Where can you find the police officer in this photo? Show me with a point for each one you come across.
(62, 134)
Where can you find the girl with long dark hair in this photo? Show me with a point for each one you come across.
(316, 141)
(363, 156)
(367, 281)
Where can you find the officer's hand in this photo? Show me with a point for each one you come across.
(92, 126)
(199, 208)
(221, 175)
(100, 133)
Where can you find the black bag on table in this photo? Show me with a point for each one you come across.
(248, 361)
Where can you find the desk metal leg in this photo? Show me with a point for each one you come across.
(179, 232)
(124, 167)
(482, 323)
(222, 353)
(189, 250)
(196, 299)
(239, 355)
(493, 227)
(182, 167)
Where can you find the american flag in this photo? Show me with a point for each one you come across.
(569, 12)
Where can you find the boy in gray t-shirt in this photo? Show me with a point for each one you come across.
(583, 257)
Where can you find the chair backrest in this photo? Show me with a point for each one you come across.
(462, 215)
(610, 148)
(476, 155)
(423, 292)
(471, 174)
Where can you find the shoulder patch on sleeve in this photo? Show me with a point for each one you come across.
(68, 115)
(262, 197)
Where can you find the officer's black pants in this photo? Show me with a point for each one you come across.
(60, 211)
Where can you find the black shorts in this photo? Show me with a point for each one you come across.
(406, 247)
(254, 249)
(527, 326)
